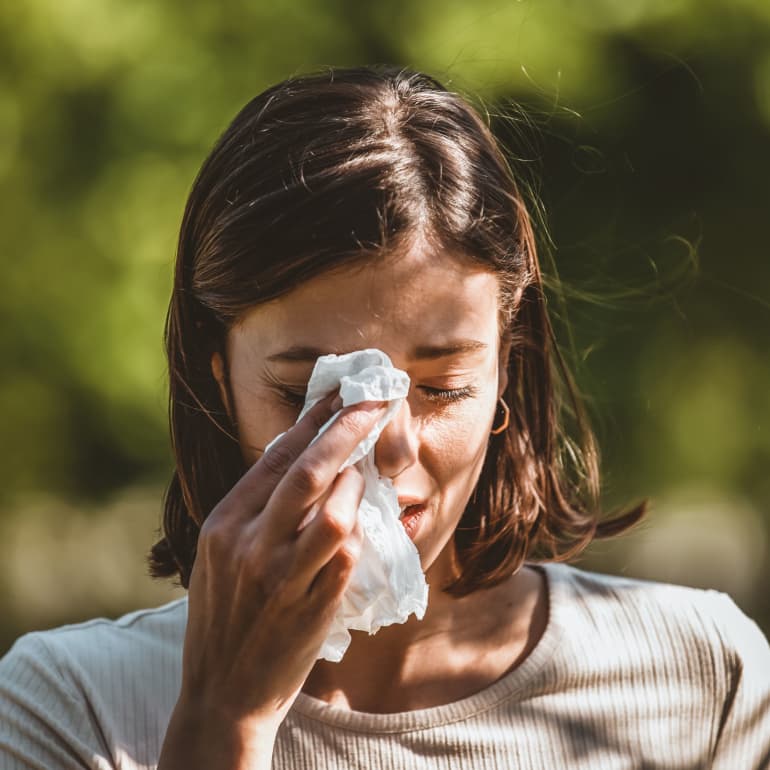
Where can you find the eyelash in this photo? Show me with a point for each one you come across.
(449, 395)
(291, 398)
(296, 399)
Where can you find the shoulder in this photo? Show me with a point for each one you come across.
(692, 635)
(84, 690)
(618, 604)
(103, 643)
(672, 656)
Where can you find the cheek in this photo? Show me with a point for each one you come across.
(259, 423)
(458, 445)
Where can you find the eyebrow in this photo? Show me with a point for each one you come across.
(304, 353)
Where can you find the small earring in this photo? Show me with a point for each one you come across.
(506, 420)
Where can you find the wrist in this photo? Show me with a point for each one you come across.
(203, 736)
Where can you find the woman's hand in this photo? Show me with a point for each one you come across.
(264, 590)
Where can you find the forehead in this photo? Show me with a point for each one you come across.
(396, 303)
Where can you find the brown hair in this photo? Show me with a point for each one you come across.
(323, 170)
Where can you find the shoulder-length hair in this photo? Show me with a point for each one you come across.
(346, 165)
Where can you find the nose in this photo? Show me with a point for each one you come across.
(397, 447)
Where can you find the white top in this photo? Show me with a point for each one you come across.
(628, 674)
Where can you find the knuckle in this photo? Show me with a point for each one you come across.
(339, 572)
(307, 477)
(278, 459)
(214, 536)
(355, 423)
(331, 526)
(345, 559)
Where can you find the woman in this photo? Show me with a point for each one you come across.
(371, 208)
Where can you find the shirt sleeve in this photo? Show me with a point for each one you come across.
(45, 724)
(743, 740)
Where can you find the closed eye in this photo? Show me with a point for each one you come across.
(296, 398)
(447, 395)
(293, 398)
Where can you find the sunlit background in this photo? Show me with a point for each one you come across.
(648, 143)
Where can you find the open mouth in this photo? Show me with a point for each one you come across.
(410, 517)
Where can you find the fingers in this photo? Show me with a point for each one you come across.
(252, 491)
(334, 528)
(314, 472)
(330, 583)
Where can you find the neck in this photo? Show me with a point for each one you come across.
(462, 645)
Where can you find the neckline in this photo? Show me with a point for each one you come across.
(508, 686)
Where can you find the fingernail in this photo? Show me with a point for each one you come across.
(336, 404)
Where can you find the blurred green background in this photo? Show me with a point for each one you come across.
(648, 142)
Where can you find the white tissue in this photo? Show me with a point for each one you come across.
(387, 584)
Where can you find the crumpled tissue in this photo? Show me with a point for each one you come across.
(387, 584)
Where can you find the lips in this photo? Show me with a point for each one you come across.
(408, 504)
(411, 513)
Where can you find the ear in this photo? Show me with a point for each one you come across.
(502, 366)
(506, 343)
(218, 370)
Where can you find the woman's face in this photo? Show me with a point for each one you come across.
(437, 319)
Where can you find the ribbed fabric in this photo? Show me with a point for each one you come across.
(628, 674)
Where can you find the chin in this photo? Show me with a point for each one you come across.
(437, 560)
